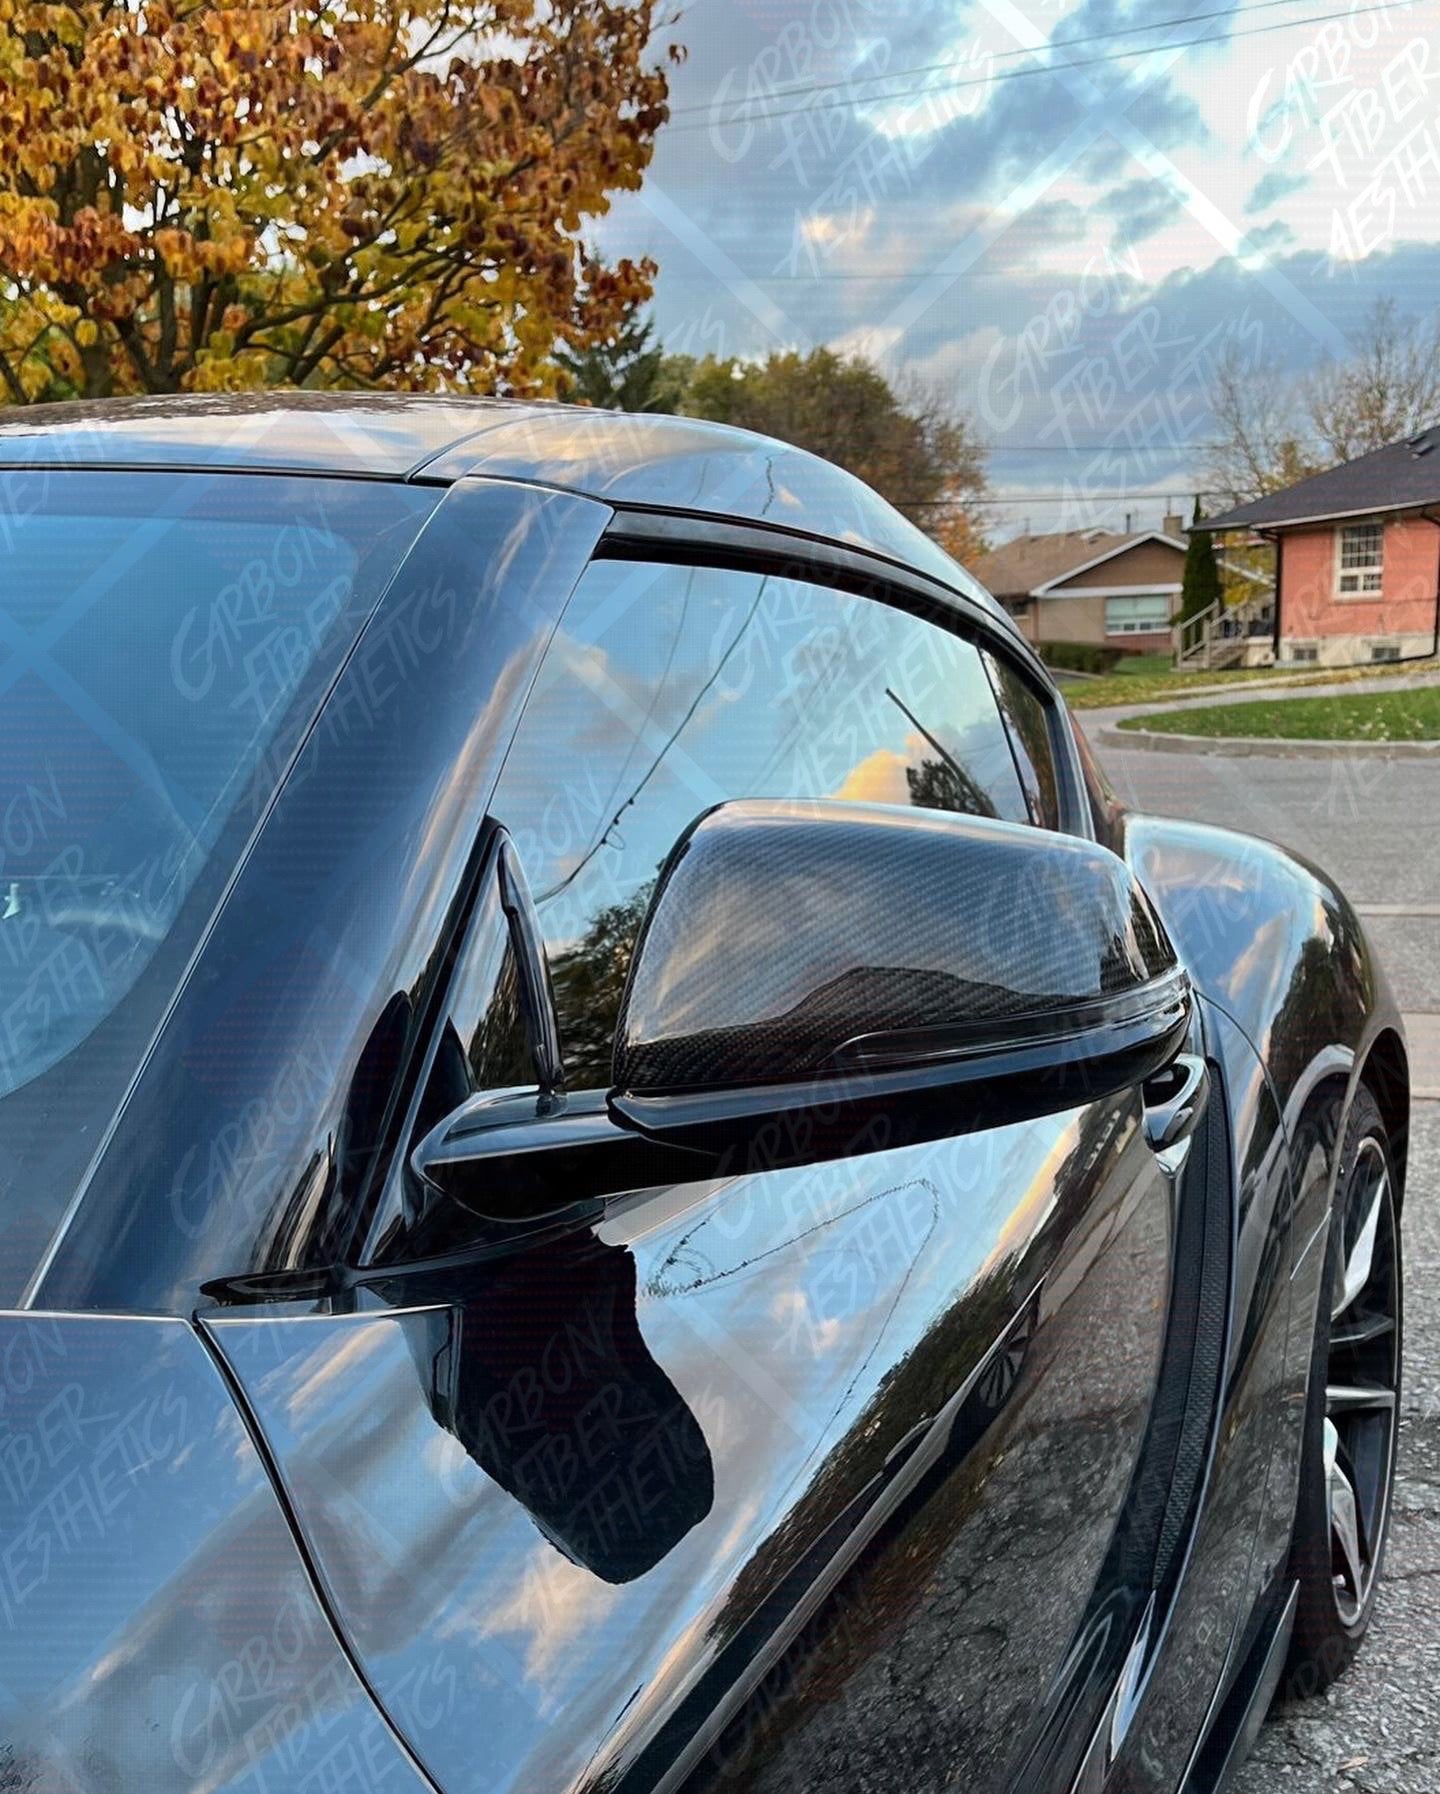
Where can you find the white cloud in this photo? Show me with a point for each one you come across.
(1296, 158)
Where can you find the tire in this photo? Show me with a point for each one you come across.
(1347, 1463)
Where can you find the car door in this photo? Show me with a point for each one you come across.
(803, 1474)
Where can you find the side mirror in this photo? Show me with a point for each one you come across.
(815, 980)
(933, 970)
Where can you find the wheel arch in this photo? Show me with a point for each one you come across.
(1386, 1074)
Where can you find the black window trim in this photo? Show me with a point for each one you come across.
(686, 539)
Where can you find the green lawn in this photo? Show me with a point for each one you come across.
(1376, 716)
(1156, 687)
(1140, 687)
(1144, 666)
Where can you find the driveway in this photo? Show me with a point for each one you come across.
(1376, 828)
(1374, 825)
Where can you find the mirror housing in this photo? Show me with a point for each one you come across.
(885, 958)
(819, 980)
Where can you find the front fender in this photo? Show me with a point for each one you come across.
(1272, 941)
(1274, 947)
(1269, 939)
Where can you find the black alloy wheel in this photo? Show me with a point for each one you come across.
(1348, 1466)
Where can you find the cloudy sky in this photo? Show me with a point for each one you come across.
(1066, 249)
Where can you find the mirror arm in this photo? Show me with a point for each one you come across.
(527, 1155)
(766, 1126)
(546, 1155)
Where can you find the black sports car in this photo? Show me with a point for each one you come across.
(620, 1170)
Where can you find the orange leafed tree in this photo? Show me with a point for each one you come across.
(201, 195)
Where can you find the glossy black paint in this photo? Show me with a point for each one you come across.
(159, 1629)
(359, 435)
(659, 463)
(827, 1474)
(914, 1373)
(682, 465)
(1302, 1013)
(1284, 961)
(1228, 1568)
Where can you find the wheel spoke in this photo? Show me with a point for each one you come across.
(1360, 1330)
(1357, 1398)
(1347, 1544)
(1345, 1531)
(1361, 1406)
(1360, 1259)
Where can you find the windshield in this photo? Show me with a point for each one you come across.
(164, 642)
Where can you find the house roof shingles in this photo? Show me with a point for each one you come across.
(1016, 568)
(1399, 477)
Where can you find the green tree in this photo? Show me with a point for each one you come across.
(1200, 582)
(628, 371)
(589, 981)
(912, 446)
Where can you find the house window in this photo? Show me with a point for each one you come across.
(1137, 616)
(1362, 550)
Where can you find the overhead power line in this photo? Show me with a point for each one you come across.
(1118, 448)
(1420, 278)
(1013, 276)
(1044, 68)
(1046, 498)
(793, 91)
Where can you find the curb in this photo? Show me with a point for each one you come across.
(1153, 741)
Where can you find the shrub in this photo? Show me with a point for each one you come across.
(1080, 657)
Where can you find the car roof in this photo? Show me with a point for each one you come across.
(386, 436)
(659, 462)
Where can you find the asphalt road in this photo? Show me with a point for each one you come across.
(1376, 827)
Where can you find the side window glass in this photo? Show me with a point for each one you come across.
(668, 690)
(484, 1042)
(1027, 722)
(1106, 808)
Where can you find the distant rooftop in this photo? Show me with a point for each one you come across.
(1019, 567)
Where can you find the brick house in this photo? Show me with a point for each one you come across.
(1103, 588)
(1357, 556)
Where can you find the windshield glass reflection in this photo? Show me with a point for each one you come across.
(163, 642)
